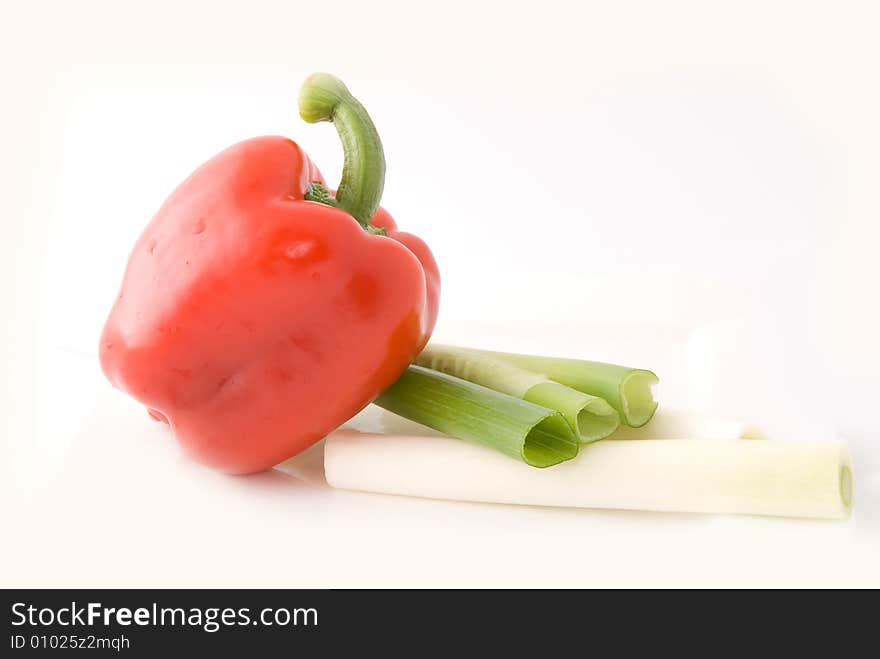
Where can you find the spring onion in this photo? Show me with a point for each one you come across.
(628, 390)
(589, 416)
(794, 479)
(679, 424)
(538, 436)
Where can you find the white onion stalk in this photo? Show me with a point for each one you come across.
(678, 424)
(792, 479)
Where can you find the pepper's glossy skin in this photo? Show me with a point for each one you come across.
(255, 322)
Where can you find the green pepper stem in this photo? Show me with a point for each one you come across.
(324, 97)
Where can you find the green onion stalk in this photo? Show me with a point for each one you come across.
(589, 416)
(536, 435)
(627, 390)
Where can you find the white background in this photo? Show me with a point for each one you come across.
(689, 187)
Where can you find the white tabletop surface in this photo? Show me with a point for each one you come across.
(124, 507)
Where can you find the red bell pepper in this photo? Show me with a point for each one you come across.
(258, 311)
